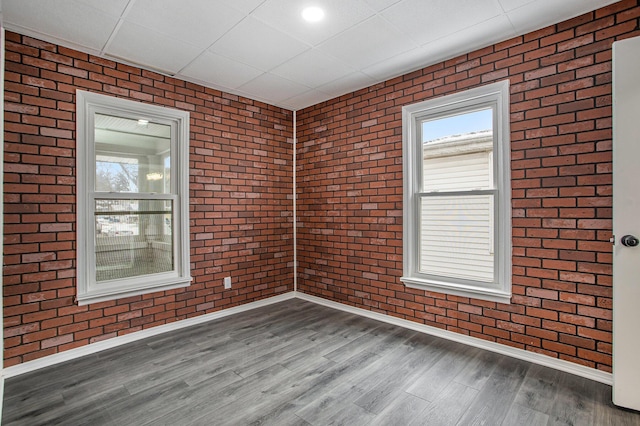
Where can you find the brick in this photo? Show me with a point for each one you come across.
(56, 341)
(577, 320)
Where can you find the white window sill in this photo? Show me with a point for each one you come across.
(114, 294)
(492, 295)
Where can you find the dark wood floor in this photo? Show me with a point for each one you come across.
(297, 363)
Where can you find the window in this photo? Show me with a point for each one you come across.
(457, 194)
(132, 170)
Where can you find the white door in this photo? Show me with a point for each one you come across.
(626, 222)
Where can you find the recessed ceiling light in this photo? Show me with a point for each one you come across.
(143, 122)
(313, 14)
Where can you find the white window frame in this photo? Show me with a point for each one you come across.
(495, 96)
(88, 291)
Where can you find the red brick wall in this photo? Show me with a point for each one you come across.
(240, 200)
(350, 191)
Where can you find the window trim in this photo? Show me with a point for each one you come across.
(87, 104)
(495, 95)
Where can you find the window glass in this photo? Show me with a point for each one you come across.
(457, 152)
(132, 155)
(456, 231)
(455, 237)
(133, 238)
(116, 173)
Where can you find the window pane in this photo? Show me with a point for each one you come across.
(457, 152)
(456, 237)
(116, 174)
(167, 174)
(133, 238)
(131, 155)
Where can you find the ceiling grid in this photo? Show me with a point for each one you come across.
(264, 50)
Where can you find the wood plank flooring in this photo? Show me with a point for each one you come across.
(297, 363)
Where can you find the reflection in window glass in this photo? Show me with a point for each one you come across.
(167, 174)
(132, 155)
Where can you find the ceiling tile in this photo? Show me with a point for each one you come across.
(426, 21)
(313, 68)
(218, 71)
(198, 22)
(311, 97)
(275, 47)
(285, 15)
(465, 41)
(70, 21)
(244, 6)
(535, 15)
(401, 64)
(347, 84)
(469, 39)
(146, 47)
(111, 7)
(379, 5)
(508, 5)
(273, 88)
(368, 43)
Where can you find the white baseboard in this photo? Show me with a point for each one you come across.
(558, 364)
(536, 358)
(47, 361)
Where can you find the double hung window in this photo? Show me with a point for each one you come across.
(132, 169)
(457, 206)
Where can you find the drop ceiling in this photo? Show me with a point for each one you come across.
(264, 50)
